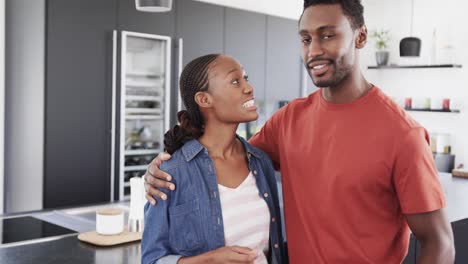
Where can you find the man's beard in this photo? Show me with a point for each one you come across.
(341, 72)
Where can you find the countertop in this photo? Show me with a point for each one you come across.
(69, 249)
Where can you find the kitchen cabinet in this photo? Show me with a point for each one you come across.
(80, 64)
(201, 27)
(411, 256)
(245, 40)
(283, 61)
(78, 101)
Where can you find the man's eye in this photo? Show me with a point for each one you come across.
(327, 36)
(305, 40)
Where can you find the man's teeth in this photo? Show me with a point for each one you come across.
(319, 66)
(248, 103)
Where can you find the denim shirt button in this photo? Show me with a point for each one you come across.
(255, 172)
(276, 245)
(273, 219)
(265, 195)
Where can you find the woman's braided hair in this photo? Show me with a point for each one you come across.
(194, 78)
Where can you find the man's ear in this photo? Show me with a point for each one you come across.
(203, 99)
(361, 38)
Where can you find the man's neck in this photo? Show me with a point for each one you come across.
(347, 91)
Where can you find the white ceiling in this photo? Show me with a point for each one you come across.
(284, 8)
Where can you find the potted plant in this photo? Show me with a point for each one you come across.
(382, 38)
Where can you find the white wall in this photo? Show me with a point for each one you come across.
(24, 134)
(2, 101)
(291, 9)
(449, 20)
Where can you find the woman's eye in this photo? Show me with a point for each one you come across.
(246, 77)
(236, 81)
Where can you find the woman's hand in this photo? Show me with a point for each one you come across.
(223, 255)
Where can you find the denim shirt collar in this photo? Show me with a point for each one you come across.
(192, 147)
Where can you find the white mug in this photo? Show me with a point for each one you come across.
(110, 221)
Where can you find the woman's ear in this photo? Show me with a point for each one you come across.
(203, 99)
(361, 38)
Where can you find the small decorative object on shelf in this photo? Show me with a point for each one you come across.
(381, 42)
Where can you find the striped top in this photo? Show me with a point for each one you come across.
(246, 217)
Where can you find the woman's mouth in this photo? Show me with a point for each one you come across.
(249, 105)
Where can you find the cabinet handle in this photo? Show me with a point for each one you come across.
(180, 63)
(113, 127)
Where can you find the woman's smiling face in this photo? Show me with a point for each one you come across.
(232, 99)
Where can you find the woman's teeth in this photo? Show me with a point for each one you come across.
(248, 104)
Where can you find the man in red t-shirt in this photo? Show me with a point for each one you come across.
(357, 171)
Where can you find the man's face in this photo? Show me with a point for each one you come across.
(328, 44)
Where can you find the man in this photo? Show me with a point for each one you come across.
(357, 171)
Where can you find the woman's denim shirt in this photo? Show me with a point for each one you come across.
(190, 222)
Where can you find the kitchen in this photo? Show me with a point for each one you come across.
(44, 153)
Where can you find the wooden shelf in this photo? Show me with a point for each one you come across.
(432, 110)
(415, 66)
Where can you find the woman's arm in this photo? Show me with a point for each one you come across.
(155, 241)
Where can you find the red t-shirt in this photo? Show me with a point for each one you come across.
(350, 172)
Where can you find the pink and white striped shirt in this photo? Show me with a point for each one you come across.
(246, 217)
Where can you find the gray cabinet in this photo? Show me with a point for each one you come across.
(78, 102)
(245, 37)
(201, 26)
(283, 66)
(78, 112)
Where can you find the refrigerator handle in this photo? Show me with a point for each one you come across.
(113, 118)
(180, 63)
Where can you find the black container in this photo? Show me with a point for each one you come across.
(410, 47)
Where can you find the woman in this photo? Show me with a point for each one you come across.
(225, 208)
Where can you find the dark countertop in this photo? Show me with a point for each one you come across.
(70, 250)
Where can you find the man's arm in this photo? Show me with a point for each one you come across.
(434, 232)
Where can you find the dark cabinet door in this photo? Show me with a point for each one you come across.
(246, 41)
(78, 101)
(201, 27)
(411, 256)
(283, 67)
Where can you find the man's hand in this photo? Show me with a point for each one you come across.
(435, 234)
(156, 179)
(223, 255)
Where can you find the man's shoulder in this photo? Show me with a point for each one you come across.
(392, 113)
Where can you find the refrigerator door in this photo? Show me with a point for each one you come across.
(145, 75)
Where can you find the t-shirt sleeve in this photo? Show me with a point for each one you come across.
(415, 175)
(267, 138)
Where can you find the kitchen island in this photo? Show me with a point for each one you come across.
(68, 249)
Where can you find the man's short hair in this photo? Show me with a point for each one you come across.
(352, 9)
